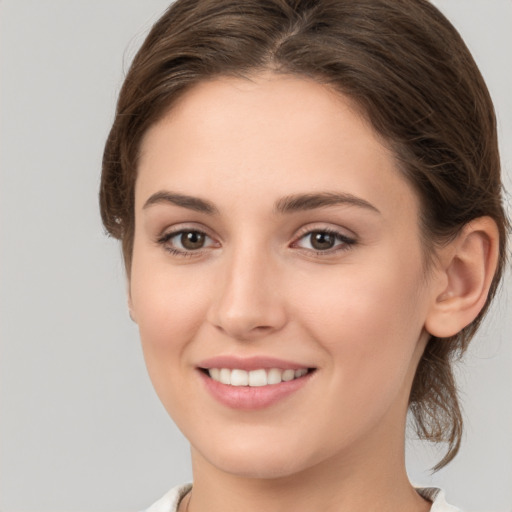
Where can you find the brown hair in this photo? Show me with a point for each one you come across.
(411, 74)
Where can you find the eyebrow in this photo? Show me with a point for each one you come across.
(302, 202)
(288, 204)
(189, 202)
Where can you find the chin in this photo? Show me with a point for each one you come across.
(261, 469)
(249, 461)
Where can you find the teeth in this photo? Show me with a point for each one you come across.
(239, 378)
(225, 376)
(255, 378)
(274, 376)
(288, 375)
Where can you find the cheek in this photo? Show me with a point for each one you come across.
(369, 322)
(169, 311)
(169, 308)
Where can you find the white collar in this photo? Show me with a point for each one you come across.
(170, 501)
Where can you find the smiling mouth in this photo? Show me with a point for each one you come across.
(255, 378)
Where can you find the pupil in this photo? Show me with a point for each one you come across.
(322, 241)
(192, 240)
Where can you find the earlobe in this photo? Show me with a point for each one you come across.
(132, 314)
(468, 264)
(131, 311)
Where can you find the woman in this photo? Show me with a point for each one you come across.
(309, 202)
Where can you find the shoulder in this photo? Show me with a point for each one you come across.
(170, 501)
(437, 497)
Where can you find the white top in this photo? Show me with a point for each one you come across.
(170, 502)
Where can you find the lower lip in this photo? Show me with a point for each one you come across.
(252, 397)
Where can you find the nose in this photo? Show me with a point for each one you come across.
(248, 302)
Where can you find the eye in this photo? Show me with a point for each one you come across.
(186, 241)
(190, 240)
(324, 240)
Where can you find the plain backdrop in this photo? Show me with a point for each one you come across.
(80, 426)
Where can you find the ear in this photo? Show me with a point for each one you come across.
(465, 272)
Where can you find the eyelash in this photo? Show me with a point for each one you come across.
(166, 237)
(345, 243)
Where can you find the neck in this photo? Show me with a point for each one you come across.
(373, 478)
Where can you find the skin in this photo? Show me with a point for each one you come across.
(356, 313)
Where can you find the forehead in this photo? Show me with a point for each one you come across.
(286, 107)
(268, 135)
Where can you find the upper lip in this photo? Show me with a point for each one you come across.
(250, 363)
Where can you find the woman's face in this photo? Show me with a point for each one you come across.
(275, 239)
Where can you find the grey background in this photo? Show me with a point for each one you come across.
(80, 427)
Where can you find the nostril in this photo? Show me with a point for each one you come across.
(244, 328)
(262, 328)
